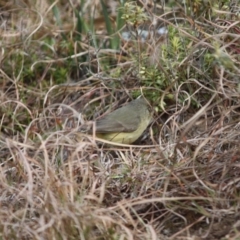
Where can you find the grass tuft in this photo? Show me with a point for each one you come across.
(64, 65)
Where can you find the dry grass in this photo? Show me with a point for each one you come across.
(179, 181)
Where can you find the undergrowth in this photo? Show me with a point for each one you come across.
(64, 64)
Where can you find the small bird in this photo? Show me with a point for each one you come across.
(126, 124)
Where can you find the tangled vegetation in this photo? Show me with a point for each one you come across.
(66, 63)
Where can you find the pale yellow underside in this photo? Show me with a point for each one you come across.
(126, 137)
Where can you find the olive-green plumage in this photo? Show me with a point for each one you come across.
(126, 124)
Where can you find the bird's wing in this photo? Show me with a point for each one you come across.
(108, 125)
